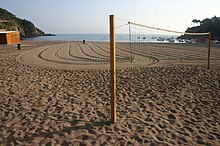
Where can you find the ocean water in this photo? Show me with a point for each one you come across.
(103, 38)
(79, 37)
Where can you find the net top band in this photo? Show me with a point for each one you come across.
(184, 33)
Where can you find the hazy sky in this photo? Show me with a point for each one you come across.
(91, 16)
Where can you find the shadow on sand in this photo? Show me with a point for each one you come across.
(49, 134)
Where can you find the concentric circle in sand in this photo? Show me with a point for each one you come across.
(77, 56)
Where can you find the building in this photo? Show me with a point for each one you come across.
(9, 37)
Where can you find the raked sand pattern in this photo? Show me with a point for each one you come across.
(174, 104)
(77, 56)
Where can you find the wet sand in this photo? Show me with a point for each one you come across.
(162, 102)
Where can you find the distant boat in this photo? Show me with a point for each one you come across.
(160, 39)
(215, 42)
(49, 34)
(190, 41)
(171, 40)
(180, 40)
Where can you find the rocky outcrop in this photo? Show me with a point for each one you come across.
(207, 25)
(9, 22)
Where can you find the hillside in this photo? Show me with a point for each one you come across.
(207, 25)
(10, 22)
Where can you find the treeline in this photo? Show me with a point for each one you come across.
(10, 22)
(207, 25)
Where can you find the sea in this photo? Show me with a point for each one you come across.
(106, 38)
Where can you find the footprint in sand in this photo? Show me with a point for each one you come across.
(171, 118)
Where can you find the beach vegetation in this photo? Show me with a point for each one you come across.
(207, 25)
(10, 22)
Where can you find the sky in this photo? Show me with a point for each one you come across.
(92, 16)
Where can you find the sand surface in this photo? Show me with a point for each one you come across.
(160, 100)
(78, 56)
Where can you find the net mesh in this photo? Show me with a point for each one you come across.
(167, 46)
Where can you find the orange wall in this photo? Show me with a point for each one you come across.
(16, 37)
(10, 38)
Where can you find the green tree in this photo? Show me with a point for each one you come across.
(196, 21)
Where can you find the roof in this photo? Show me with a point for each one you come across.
(3, 32)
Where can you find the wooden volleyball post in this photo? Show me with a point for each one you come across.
(209, 49)
(112, 69)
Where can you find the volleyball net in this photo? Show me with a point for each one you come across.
(161, 46)
(168, 47)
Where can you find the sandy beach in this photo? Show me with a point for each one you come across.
(57, 93)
